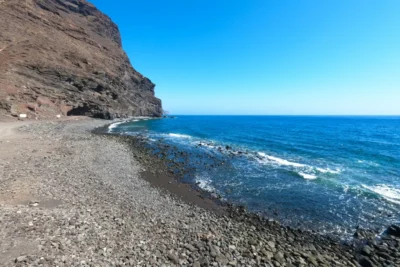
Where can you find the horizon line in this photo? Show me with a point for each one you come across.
(291, 115)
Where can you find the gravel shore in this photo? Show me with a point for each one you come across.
(72, 198)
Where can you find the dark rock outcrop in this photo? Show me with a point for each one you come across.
(65, 57)
(393, 230)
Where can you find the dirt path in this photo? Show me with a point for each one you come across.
(8, 130)
(19, 185)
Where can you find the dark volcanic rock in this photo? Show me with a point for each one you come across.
(394, 230)
(65, 57)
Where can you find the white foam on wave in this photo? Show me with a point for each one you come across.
(308, 176)
(209, 145)
(306, 171)
(114, 125)
(389, 193)
(205, 184)
(327, 170)
(279, 161)
(346, 188)
(175, 135)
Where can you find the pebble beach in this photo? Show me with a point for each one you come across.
(70, 197)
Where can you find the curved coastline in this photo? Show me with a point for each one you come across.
(85, 195)
(163, 148)
(169, 180)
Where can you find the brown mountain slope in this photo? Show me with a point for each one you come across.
(65, 57)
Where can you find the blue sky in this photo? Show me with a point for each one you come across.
(286, 57)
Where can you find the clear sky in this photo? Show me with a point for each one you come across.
(286, 57)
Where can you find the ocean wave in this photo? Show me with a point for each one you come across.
(114, 125)
(207, 144)
(279, 161)
(389, 193)
(175, 135)
(305, 171)
(308, 176)
(328, 170)
(308, 172)
(205, 183)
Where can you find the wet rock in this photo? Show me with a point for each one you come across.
(364, 234)
(366, 250)
(393, 230)
(383, 255)
(365, 262)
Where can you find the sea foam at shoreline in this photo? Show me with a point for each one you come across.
(314, 171)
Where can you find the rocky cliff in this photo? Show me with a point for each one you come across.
(65, 57)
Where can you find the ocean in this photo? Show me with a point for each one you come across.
(326, 173)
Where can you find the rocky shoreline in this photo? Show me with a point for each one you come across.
(73, 198)
(365, 242)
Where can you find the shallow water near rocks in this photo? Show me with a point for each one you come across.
(330, 174)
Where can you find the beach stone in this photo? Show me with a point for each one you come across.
(233, 263)
(21, 259)
(366, 250)
(222, 260)
(173, 258)
(253, 242)
(190, 247)
(204, 262)
(312, 260)
(383, 255)
(279, 257)
(365, 262)
(267, 254)
(196, 264)
(394, 230)
(213, 253)
(271, 244)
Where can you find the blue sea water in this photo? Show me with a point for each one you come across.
(327, 173)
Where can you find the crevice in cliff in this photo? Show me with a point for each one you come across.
(80, 111)
(90, 111)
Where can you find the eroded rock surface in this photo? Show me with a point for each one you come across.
(65, 57)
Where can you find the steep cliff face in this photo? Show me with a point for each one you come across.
(65, 57)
